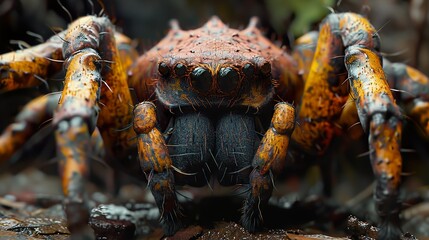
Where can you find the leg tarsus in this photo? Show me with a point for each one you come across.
(163, 190)
(260, 193)
(387, 166)
(388, 207)
(77, 213)
(73, 146)
(389, 230)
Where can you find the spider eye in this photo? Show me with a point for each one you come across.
(163, 69)
(201, 79)
(248, 70)
(180, 70)
(228, 79)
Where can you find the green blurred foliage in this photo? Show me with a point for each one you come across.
(302, 13)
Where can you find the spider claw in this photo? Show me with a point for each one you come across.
(260, 192)
(163, 190)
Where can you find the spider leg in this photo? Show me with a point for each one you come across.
(156, 163)
(411, 90)
(303, 52)
(94, 75)
(323, 95)
(348, 42)
(323, 72)
(127, 53)
(270, 156)
(25, 68)
(26, 124)
(381, 117)
(75, 119)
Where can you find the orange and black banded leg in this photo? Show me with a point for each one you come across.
(94, 75)
(75, 120)
(382, 119)
(26, 124)
(379, 115)
(269, 160)
(321, 63)
(31, 66)
(303, 52)
(156, 163)
(326, 75)
(411, 92)
(349, 39)
(28, 68)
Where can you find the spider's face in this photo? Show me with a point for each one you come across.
(213, 66)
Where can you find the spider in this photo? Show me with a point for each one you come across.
(203, 95)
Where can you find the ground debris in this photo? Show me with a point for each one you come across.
(33, 223)
(110, 221)
(28, 215)
(232, 230)
(363, 230)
